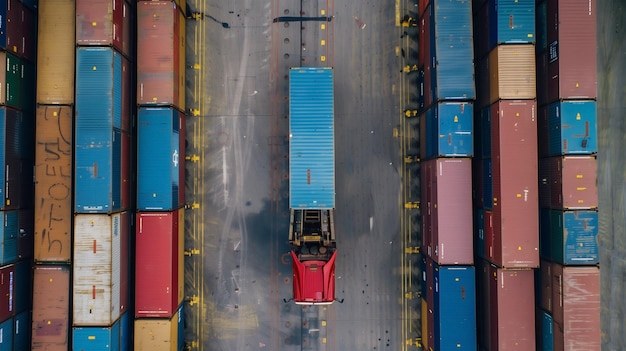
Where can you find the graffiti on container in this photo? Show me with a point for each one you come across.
(53, 184)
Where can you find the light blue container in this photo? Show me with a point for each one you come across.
(96, 338)
(158, 159)
(573, 127)
(21, 331)
(8, 239)
(511, 21)
(574, 237)
(454, 129)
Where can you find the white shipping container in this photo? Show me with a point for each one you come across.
(97, 287)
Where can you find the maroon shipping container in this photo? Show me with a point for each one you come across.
(422, 6)
(421, 42)
(100, 22)
(515, 189)
(158, 53)
(7, 277)
(572, 43)
(51, 308)
(544, 182)
(159, 252)
(452, 238)
(29, 32)
(511, 309)
(545, 285)
(573, 182)
(576, 310)
(13, 31)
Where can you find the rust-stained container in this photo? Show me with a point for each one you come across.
(7, 279)
(512, 72)
(159, 334)
(572, 42)
(98, 256)
(158, 53)
(55, 52)
(511, 309)
(515, 189)
(452, 211)
(576, 310)
(53, 184)
(100, 22)
(159, 263)
(573, 182)
(545, 285)
(51, 308)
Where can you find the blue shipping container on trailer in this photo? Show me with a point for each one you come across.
(573, 127)
(158, 142)
(8, 243)
(21, 331)
(97, 136)
(311, 139)
(96, 338)
(511, 21)
(6, 331)
(574, 237)
(453, 50)
(455, 308)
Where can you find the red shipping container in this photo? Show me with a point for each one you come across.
(12, 39)
(99, 22)
(545, 285)
(158, 53)
(511, 309)
(452, 232)
(572, 43)
(573, 182)
(515, 189)
(7, 277)
(51, 308)
(422, 6)
(159, 269)
(544, 182)
(128, 34)
(576, 309)
(29, 32)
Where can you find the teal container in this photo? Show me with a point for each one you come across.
(8, 239)
(21, 329)
(6, 331)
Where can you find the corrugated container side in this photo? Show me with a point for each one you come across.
(541, 25)
(125, 171)
(573, 128)
(11, 23)
(545, 287)
(543, 131)
(51, 308)
(97, 268)
(23, 287)
(547, 333)
(157, 259)
(182, 64)
(488, 183)
(6, 332)
(26, 234)
(157, 334)
(7, 281)
(479, 232)
(541, 60)
(431, 132)
(545, 236)
(127, 106)
(99, 22)
(452, 211)
(453, 64)
(454, 129)
(515, 189)
(576, 296)
(157, 53)
(8, 238)
(455, 308)
(126, 330)
(96, 338)
(29, 32)
(574, 237)
(53, 184)
(511, 22)
(481, 32)
(490, 240)
(428, 57)
(98, 144)
(574, 182)
(55, 52)
(21, 331)
(544, 183)
(572, 42)
(478, 187)
(179, 266)
(512, 72)
(154, 156)
(485, 121)
(129, 32)
(182, 140)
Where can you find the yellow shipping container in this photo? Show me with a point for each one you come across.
(157, 334)
(512, 72)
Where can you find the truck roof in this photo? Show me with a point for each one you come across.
(311, 138)
(313, 281)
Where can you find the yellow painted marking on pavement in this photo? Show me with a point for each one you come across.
(323, 58)
(323, 12)
(397, 13)
(323, 26)
(323, 42)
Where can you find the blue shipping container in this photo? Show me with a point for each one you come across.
(572, 128)
(488, 183)
(511, 21)
(547, 333)
(455, 308)
(23, 286)
(6, 335)
(454, 129)
(453, 50)
(96, 338)
(574, 237)
(21, 328)
(98, 140)
(158, 159)
(126, 330)
(8, 239)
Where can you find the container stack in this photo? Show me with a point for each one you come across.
(159, 275)
(102, 196)
(505, 173)
(569, 282)
(447, 93)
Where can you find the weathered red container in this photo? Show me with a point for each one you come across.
(573, 182)
(159, 263)
(511, 309)
(572, 43)
(53, 183)
(576, 310)
(545, 285)
(7, 278)
(100, 22)
(158, 55)
(51, 308)
(452, 238)
(515, 189)
(29, 31)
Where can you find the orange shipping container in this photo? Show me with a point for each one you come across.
(51, 308)
(53, 184)
(55, 52)
(512, 72)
